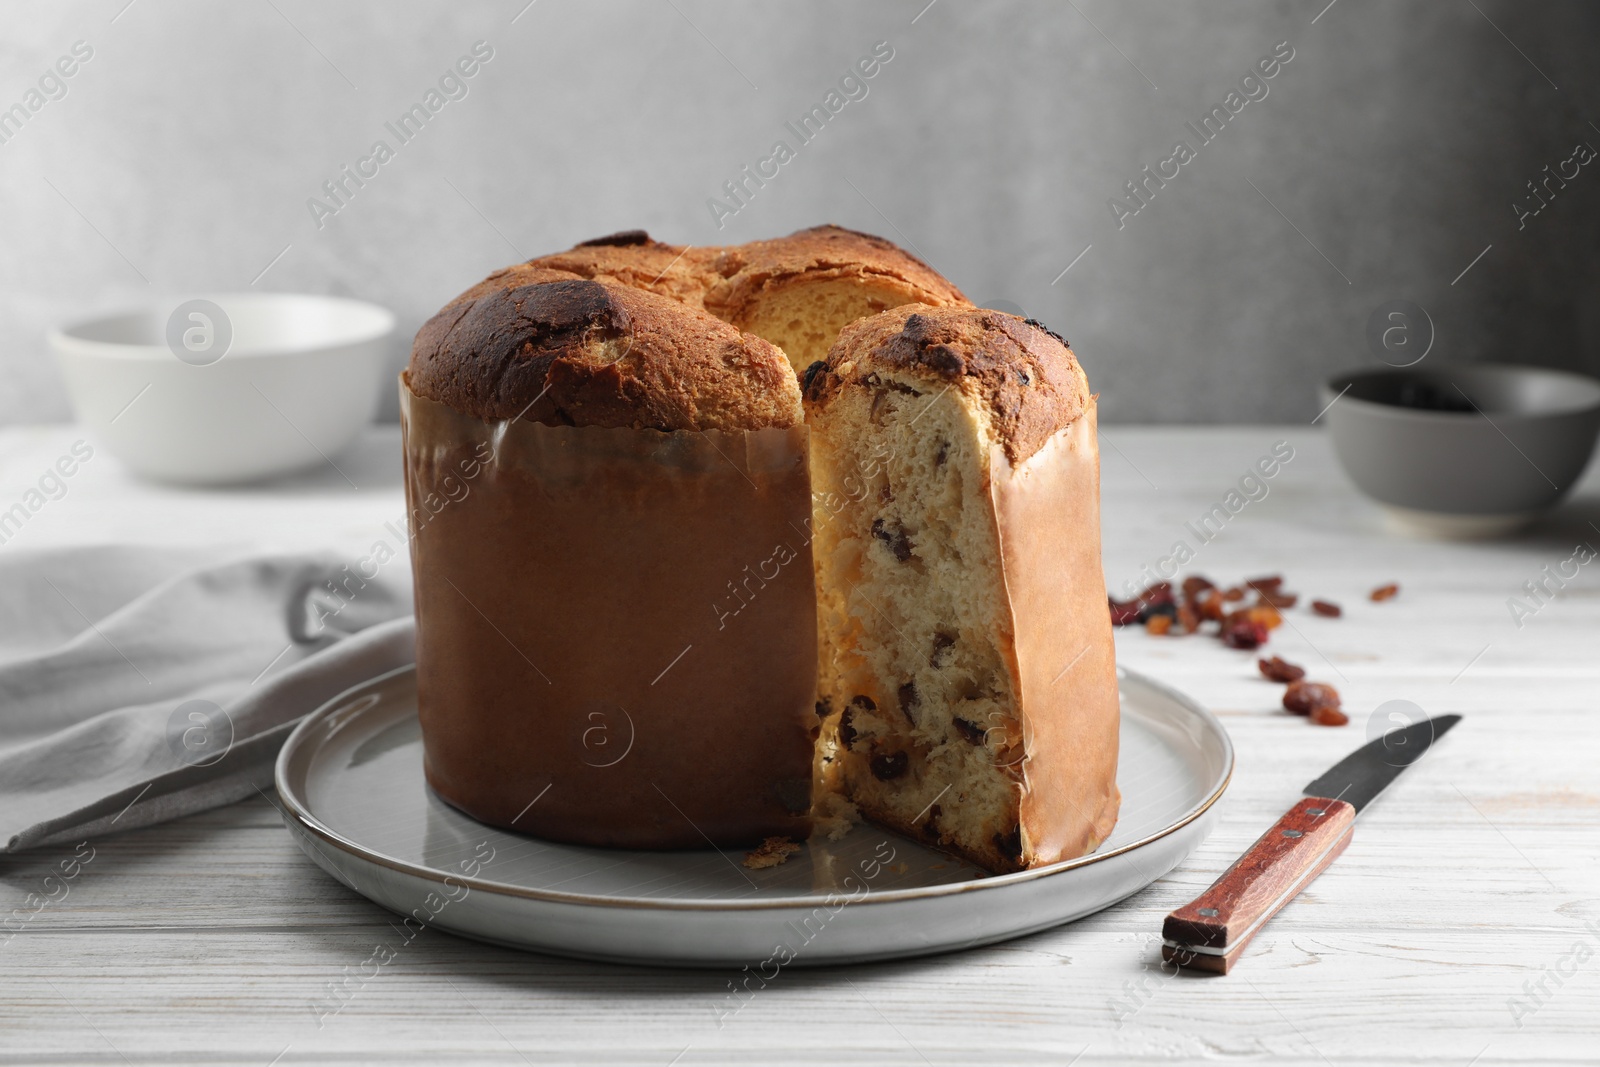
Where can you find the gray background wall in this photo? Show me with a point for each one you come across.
(183, 154)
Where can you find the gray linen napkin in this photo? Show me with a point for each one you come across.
(140, 684)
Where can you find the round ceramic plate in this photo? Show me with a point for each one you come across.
(351, 780)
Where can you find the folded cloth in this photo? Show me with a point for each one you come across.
(140, 684)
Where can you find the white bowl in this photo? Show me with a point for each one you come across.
(228, 388)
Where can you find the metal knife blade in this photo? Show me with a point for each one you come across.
(1367, 771)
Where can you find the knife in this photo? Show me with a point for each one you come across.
(1209, 932)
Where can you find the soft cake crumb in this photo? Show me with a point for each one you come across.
(773, 851)
(833, 817)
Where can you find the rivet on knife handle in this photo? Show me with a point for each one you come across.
(1208, 933)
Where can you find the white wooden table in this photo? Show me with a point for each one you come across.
(1466, 887)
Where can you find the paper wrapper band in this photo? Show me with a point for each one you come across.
(616, 628)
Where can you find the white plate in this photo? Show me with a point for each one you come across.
(351, 780)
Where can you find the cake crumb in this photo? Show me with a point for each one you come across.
(833, 817)
(901, 868)
(773, 851)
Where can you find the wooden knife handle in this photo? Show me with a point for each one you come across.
(1208, 933)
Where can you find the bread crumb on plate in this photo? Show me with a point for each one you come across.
(773, 851)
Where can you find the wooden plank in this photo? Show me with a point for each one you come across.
(1450, 928)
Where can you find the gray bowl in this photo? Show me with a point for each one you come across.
(1465, 450)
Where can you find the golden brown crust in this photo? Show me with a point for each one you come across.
(1024, 373)
(556, 348)
(631, 258)
(820, 253)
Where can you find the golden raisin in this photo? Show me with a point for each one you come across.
(1326, 716)
(1385, 592)
(1303, 698)
(1280, 670)
(1158, 624)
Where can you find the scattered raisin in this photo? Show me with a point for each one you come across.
(1385, 592)
(969, 730)
(1264, 615)
(1303, 698)
(847, 730)
(1327, 607)
(1209, 606)
(1233, 594)
(1157, 595)
(1188, 619)
(1158, 624)
(1241, 632)
(894, 539)
(909, 699)
(1123, 612)
(1280, 670)
(888, 765)
(1279, 600)
(1266, 585)
(942, 643)
(1327, 716)
(1194, 585)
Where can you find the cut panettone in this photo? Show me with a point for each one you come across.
(967, 672)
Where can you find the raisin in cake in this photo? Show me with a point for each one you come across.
(967, 675)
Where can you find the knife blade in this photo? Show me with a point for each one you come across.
(1209, 932)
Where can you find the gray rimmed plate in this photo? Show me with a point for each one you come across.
(354, 798)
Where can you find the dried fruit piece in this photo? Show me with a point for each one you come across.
(1188, 619)
(894, 538)
(909, 699)
(1326, 716)
(888, 765)
(1266, 615)
(1327, 608)
(1281, 670)
(1303, 698)
(1194, 585)
(1280, 600)
(847, 730)
(1385, 592)
(1157, 595)
(969, 730)
(1233, 594)
(1209, 606)
(1267, 585)
(1158, 624)
(1241, 632)
(1123, 612)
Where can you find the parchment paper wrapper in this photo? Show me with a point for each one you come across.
(1048, 514)
(616, 628)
